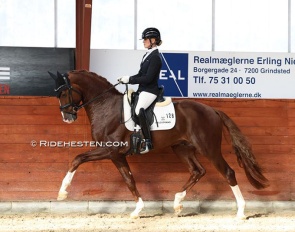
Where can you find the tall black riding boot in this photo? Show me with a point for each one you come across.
(145, 128)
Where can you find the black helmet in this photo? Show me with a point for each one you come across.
(152, 32)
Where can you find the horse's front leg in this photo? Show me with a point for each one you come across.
(98, 154)
(63, 194)
(124, 169)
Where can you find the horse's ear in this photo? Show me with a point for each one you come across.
(52, 75)
(59, 75)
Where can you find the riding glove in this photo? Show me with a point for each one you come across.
(124, 79)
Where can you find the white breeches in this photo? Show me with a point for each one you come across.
(145, 99)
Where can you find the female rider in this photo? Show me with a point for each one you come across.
(147, 78)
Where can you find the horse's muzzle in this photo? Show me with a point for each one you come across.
(69, 117)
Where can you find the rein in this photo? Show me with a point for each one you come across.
(76, 108)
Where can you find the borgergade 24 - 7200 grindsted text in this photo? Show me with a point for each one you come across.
(245, 70)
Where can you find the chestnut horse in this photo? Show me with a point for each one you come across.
(198, 129)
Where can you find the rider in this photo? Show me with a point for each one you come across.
(147, 78)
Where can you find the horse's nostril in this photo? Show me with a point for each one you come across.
(69, 118)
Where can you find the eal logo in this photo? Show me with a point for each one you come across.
(174, 74)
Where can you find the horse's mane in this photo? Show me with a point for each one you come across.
(94, 76)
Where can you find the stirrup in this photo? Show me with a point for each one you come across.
(147, 146)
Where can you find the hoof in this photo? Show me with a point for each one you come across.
(139, 207)
(62, 196)
(134, 216)
(241, 217)
(240, 214)
(178, 209)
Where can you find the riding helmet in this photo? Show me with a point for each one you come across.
(152, 32)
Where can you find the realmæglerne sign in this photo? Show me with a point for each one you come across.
(209, 74)
(241, 75)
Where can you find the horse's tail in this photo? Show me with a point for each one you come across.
(243, 150)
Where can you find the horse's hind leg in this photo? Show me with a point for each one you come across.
(240, 201)
(186, 153)
(229, 174)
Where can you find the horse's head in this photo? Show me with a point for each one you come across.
(69, 97)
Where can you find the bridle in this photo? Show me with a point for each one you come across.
(71, 102)
(76, 107)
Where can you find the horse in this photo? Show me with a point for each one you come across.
(198, 130)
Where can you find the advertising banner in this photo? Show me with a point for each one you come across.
(241, 75)
(210, 74)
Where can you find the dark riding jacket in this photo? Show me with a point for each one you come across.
(148, 74)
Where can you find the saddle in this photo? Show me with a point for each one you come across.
(150, 110)
(161, 113)
(136, 141)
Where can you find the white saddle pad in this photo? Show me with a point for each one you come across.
(164, 113)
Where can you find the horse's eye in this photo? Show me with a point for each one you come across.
(63, 95)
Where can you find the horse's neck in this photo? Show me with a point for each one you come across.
(99, 105)
(104, 107)
(92, 92)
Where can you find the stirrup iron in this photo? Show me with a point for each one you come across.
(147, 146)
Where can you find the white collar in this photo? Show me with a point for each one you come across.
(149, 52)
(152, 49)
